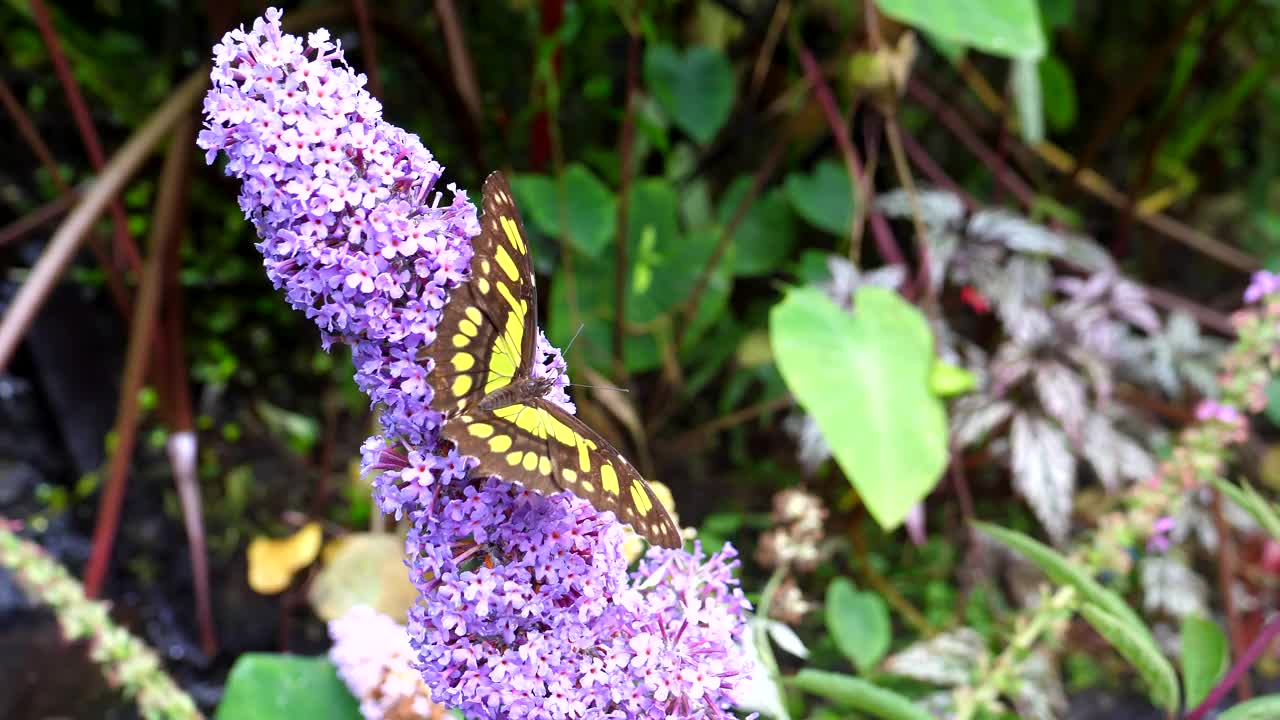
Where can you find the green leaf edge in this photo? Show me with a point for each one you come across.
(1196, 690)
(1064, 572)
(1253, 503)
(1144, 656)
(1259, 708)
(858, 694)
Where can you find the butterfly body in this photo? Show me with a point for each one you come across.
(496, 408)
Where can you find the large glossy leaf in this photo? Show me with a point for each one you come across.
(1008, 28)
(858, 694)
(1140, 652)
(1205, 657)
(864, 377)
(589, 210)
(695, 87)
(858, 622)
(266, 686)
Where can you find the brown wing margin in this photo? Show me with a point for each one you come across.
(655, 524)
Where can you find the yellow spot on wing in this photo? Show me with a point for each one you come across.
(463, 361)
(584, 459)
(588, 487)
(530, 460)
(461, 340)
(484, 266)
(609, 479)
(544, 465)
(467, 327)
(513, 235)
(506, 263)
(500, 443)
(569, 475)
(640, 500)
(484, 285)
(473, 314)
(480, 430)
(461, 385)
(514, 458)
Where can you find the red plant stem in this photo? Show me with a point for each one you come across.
(861, 199)
(48, 212)
(961, 130)
(1226, 581)
(626, 141)
(540, 142)
(368, 45)
(925, 163)
(124, 244)
(27, 129)
(1239, 670)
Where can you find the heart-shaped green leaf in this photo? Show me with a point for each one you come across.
(859, 623)
(764, 236)
(823, 198)
(695, 87)
(864, 377)
(589, 210)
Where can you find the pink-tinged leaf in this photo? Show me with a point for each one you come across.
(1044, 472)
(1113, 455)
(1010, 365)
(1062, 396)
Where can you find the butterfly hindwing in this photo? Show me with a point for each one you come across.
(488, 330)
(548, 450)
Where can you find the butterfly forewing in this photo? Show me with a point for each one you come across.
(488, 332)
(483, 381)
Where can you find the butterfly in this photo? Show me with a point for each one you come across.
(494, 407)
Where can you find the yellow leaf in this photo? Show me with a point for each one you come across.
(363, 569)
(273, 563)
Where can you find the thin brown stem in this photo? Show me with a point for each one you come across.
(37, 218)
(464, 74)
(690, 439)
(1226, 583)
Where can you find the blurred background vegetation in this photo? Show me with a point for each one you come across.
(1068, 194)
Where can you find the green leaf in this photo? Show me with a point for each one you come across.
(266, 686)
(1008, 28)
(1205, 657)
(695, 87)
(947, 380)
(1266, 707)
(824, 198)
(859, 623)
(858, 694)
(1064, 572)
(1140, 651)
(1057, 13)
(1059, 92)
(1272, 410)
(764, 237)
(864, 377)
(663, 264)
(590, 209)
(1251, 502)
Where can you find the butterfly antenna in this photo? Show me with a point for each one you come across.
(600, 387)
(572, 339)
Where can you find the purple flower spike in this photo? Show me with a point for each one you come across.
(526, 607)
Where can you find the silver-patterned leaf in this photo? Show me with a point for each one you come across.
(1044, 471)
(1016, 233)
(973, 416)
(1113, 455)
(786, 638)
(937, 207)
(949, 659)
(1040, 695)
(1010, 365)
(1063, 397)
(1169, 586)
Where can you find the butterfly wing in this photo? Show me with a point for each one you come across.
(539, 445)
(487, 334)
